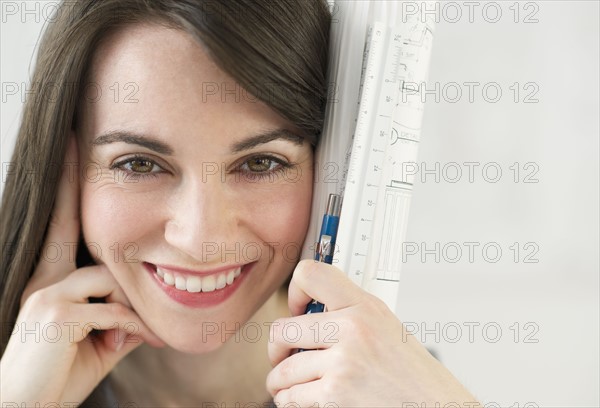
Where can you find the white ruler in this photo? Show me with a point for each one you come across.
(379, 96)
(376, 193)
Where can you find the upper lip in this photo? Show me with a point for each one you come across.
(171, 268)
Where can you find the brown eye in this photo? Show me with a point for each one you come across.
(140, 165)
(260, 164)
(263, 167)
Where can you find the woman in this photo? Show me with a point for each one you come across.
(159, 202)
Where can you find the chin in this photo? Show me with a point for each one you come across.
(208, 338)
(200, 328)
(190, 347)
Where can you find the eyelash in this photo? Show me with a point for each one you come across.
(133, 174)
(261, 175)
(282, 166)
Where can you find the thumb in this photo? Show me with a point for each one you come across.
(323, 282)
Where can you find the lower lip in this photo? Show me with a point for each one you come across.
(200, 299)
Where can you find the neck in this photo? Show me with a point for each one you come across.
(233, 375)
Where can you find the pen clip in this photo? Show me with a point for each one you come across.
(323, 248)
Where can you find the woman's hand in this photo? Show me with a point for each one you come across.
(51, 355)
(366, 357)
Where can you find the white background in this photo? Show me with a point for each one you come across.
(556, 300)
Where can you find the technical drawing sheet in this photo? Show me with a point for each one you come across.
(379, 60)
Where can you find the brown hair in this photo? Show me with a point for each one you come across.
(275, 49)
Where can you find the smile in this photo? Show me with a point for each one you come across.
(194, 284)
(198, 288)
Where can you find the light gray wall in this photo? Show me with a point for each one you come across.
(552, 303)
(557, 297)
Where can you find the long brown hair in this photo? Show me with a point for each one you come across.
(275, 49)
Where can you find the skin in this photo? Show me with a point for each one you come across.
(171, 213)
(365, 356)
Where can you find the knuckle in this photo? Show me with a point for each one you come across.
(346, 368)
(35, 298)
(350, 325)
(25, 299)
(354, 328)
(376, 304)
(58, 312)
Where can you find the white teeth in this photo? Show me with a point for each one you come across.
(194, 284)
(221, 281)
(169, 279)
(209, 283)
(180, 283)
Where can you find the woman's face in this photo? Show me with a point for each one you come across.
(186, 178)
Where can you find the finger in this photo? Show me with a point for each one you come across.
(61, 241)
(308, 332)
(97, 281)
(110, 316)
(90, 281)
(117, 341)
(118, 295)
(296, 369)
(113, 339)
(324, 283)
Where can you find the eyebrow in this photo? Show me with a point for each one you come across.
(132, 138)
(163, 148)
(266, 137)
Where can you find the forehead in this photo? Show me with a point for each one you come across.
(161, 80)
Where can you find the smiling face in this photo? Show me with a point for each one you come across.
(186, 179)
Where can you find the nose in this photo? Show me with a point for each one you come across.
(202, 222)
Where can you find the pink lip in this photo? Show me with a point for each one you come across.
(200, 299)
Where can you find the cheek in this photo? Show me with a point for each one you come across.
(281, 215)
(113, 221)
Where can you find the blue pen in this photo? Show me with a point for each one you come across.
(326, 245)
